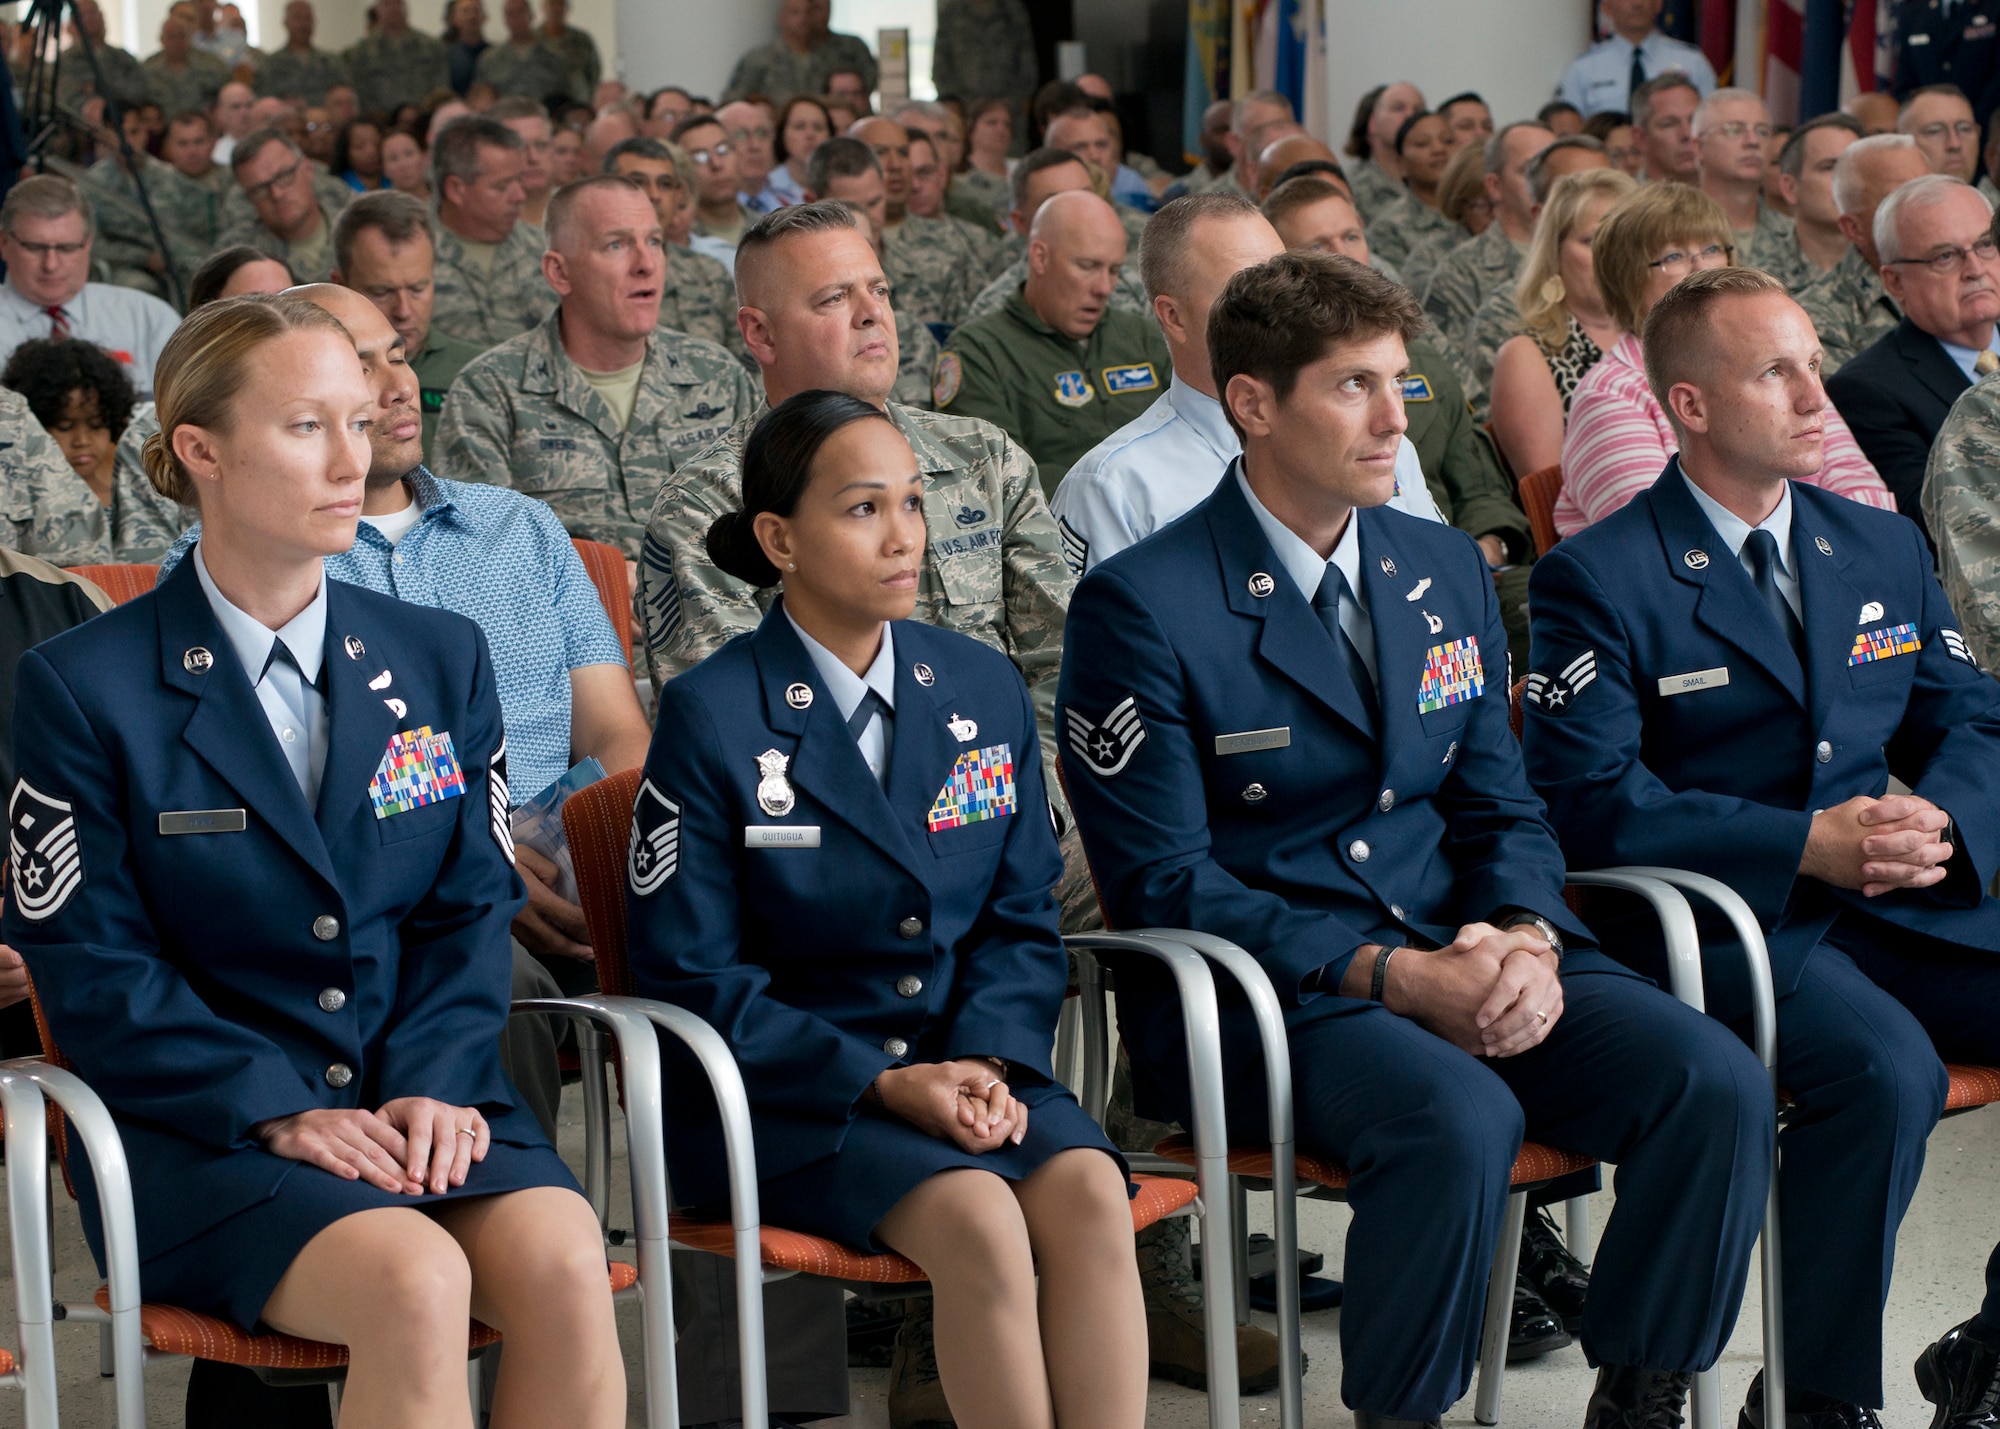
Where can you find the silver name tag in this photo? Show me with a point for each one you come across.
(203, 821)
(1695, 680)
(781, 836)
(1252, 740)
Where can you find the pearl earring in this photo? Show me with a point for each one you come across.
(791, 565)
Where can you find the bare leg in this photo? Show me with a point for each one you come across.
(964, 1228)
(1093, 1315)
(396, 1290)
(538, 1277)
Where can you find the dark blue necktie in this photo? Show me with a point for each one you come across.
(1326, 605)
(871, 705)
(1638, 75)
(1762, 551)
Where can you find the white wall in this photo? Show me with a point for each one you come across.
(1511, 51)
(694, 43)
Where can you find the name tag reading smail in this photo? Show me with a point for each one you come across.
(1695, 680)
(781, 836)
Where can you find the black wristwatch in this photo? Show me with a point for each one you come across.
(1540, 925)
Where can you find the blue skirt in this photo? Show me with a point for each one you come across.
(230, 1270)
(845, 1196)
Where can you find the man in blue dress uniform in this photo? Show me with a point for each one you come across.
(1281, 727)
(1728, 673)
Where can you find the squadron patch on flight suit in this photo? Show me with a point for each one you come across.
(1073, 389)
(946, 378)
(1107, 748)
(655, 850)
(46, 862)
(1555, 693)
(499, 801)
(1955, 646)
(1075, 550)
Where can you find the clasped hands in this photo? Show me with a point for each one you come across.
(1877, 845)
(962, 1101)
(1490, 992)
(411, 1145)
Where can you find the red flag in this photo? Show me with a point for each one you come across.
(1717, 31)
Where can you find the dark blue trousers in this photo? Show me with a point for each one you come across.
(1861, 1043)
(1628, 1075)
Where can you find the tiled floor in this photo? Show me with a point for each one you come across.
(1940, 1275)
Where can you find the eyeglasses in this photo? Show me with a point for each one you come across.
(761, 132)
(1948, 260)
(1965, 129)
(261, 193)
(50, 250)
(1737, 129)
(1678, 264)
(707, 156)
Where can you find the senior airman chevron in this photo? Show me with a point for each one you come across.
(1555, 693)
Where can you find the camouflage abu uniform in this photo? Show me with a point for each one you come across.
(189, 214)
(1961, 502)
(779, 73)
(1424, 258)
(45, 509)
(1374, 191)
(985, 49)
(393, 70)
(1849, 308)
(1468, 276)
(522, 415)
(178, 91)
(1128, 297)
(286, 72)
(1773, 246)
(581, 63)
(253, 232)
(144, 524)
(932, 268)
(993, 568)
(488, 308)
(534, 72)
(916, 361)
(699, 299)
(1397, 231)
(124, 78)
(1499, 319)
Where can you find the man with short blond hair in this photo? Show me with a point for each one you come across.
(1848, 305)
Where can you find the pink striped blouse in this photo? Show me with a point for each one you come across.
(1618, 443)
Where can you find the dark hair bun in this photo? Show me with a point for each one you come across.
(733, 546)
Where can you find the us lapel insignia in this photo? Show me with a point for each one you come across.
(774, 791)
(1825, 546)
(799, 697)
(1261, 584)
(923, 674)
(1388, 567)
(355, 649)
(197, 661)
(1696, 560)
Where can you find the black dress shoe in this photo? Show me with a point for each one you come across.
(1364, 1420)
(1960, 1374)
(1628, 1398)
(1534, 1329)
(1805, 1409)
(1556, 1275)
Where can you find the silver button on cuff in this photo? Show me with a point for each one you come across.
(1387, 801)
(909, 928)
(1824, 754)
(332, 999)
(339, 1074)
(896, 1047)
(326, 927)
(1358, 851)
(909, 986)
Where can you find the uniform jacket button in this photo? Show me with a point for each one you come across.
(1358, 850)
(909, 986)
(1824, 754)
(326, 927)
(332, 999)
(339, 1074)
(910, 928)
(1396, 912)
(896, 1047)
(1254, 793)
(1387, 801)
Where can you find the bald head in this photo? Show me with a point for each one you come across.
(1076, 247)
(396, 438)
(1875, 109)
(1867, 172)
(606, 132)
(1289, 150)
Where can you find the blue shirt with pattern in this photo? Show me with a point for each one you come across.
(488, 553)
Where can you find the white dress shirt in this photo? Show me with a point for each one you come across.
(1601, 77)
(1303, 564)
(1164, 463)
(132, 326)
(1735, 531)
(294, 705)
(848, 689)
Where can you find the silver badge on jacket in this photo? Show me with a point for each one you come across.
(774, 791)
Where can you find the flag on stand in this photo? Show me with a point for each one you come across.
(1207, 77)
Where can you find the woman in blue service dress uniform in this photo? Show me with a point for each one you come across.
(842, 859)
(260, 874)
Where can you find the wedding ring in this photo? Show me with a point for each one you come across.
(473, 1134)
(1541, 1017)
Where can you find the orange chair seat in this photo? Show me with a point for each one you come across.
(173, 1331)
(121, 583)
(1971, 1087)
(1536, 1163)
(6, 1361)
(1158, 1198)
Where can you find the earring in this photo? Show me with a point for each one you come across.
(791, 565)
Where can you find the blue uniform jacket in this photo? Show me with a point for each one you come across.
(906, 926)
(1224, 776)
(1682, 730)
(206, 981)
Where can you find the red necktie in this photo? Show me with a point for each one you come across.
(58, 323)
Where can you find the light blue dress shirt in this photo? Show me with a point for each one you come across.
(1735, 531)
(1164, 463)
(1601, 77)
(1303, 564)
(289, 694)
(1966, 357)
(849, 689)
